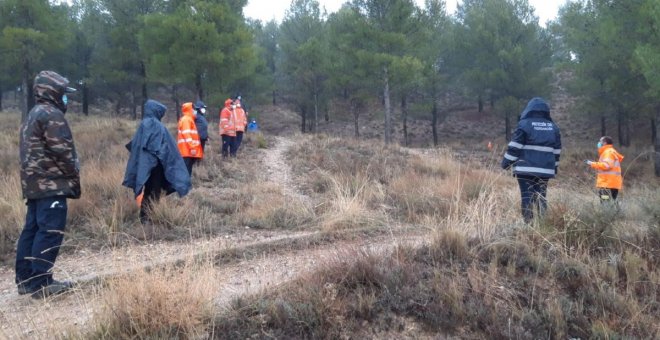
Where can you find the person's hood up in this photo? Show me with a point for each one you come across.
(49, 87)
(538, 107)
(154, 109)
(187, 109)
(199, 104)
(617, 155)
(228, 102)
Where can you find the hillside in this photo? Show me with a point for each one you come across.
(314, 237)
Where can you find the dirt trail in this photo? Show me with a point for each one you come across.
(279, 171)
(22, 317)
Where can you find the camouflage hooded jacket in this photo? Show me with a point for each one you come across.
(49, 163)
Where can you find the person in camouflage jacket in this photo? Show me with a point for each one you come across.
(50, 173)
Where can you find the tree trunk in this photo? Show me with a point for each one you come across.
(434, 123)
(85, 98)
(507, 127)
(404, 117)
(623, 129)
(0, 97)
(603, 126)
(303, 117)
(27, 102)
(177, 105)
(118, 106)
(316, 113)
(29, 91)
(481, 104)
(654, 134)
(356, 116)
(23, 103)
(388, 107)
(145, 93)
(134, 105)
(274, 97)
(198, 87)
(656, 155)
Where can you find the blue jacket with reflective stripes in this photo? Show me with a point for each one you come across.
(536, 143)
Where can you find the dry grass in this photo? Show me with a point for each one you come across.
(12, 210)
(264, 205)
(161, 304)
(12, 207)
(352, 202)
(106, 214)
(582, 271)
(507, 288)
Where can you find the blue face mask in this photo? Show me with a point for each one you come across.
(599, 145)
(65, 100)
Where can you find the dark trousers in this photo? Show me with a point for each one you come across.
(239, 140)
(189, 164)
(533, 191)
(203, 141)
(152, 191)
(228, 146)
(608, 195)
(40, 241)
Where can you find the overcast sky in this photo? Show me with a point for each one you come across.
(266, 10)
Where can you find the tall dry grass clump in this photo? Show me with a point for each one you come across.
(347, 180)
(12, 205)
(12, 210)
(171, 303)
(265, 205)
(353, 201)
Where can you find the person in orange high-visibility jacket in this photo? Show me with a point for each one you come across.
(241, 123)
(188, 140)
(228, 128)
(609, 180)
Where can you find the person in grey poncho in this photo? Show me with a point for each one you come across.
(155, 164)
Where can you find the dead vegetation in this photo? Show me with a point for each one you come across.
(584, 271)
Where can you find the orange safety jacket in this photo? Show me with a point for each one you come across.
(188, 138)
(241, 118)
(228, 120)
(608, 168)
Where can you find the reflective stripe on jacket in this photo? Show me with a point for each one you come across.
(187, 137)
(608, 168)
(535, 146)
(227, 122)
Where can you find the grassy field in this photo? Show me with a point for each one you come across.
(474, 271)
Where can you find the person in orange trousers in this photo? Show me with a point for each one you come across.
(609, 180)
(188, 140)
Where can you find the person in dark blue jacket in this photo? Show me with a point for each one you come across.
(155, 164)
(533, 152)
(201, 122)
